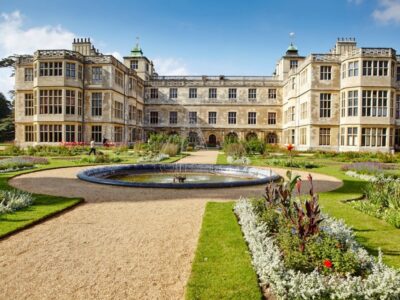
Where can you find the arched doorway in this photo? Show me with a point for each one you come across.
(251, 136)
(272, 138)
(231, 137)
(212, 140)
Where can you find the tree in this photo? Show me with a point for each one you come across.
(5, 107)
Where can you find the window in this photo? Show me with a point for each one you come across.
(131, 112)
(50, 69)
(97, 104)
(353, 68)
(303, 136)
(134, 64)
(352, 103)
(118, 134)
(70, 102)
(29, 133)
(132, 134)
(373, 137)
(97, 133)
(272, 93)
(375, 68)
(352, 139)
(97, 73)
(50, 101)
(173, 117)
(325, 105)
(119, 78)
(28, 104)
(304, 111)
(397, 107)
(79, 103)
(154, 117)
(130, 84)
(342, 136)
(118, 110)
(28, 74)
(325, 73)
(292, 136)
(293, 64)
(271, 118)
(252, 118)
(374, 103)
(212, 93)
(192, 93)
(140, 116)
(212, 117)
(70, 133)
(324, 136)
(232, 93)
(50, 133)
(80, 72)
(343, 104)
(252, 94)
(398, 74)
(153, 93)
(70, 70)
(292, 110)
(344, 70)
(192, 117)
(173, 93)
(231, 117)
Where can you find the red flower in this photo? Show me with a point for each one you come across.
(290, 147)
(328, 264)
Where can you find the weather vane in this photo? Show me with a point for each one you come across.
(292, 36)
(137, 41)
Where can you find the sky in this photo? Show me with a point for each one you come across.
(203, 37)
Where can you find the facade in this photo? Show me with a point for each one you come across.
(345, 100)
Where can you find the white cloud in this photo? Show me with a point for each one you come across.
(170, 66)
(388, 12)
(15, 39)
(117, 55)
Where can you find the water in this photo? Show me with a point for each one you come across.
(190, 177)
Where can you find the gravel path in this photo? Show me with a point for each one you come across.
(124, 243)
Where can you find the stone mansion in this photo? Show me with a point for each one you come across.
(345, 100)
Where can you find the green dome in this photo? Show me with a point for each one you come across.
(137, 51)
(292, 47)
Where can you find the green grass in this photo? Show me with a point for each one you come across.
(371, 233)
(222, 266)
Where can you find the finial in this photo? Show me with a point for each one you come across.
(292, 36)
(137, 41)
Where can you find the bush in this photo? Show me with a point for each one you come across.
(292, 163)
(156, 141)
(360, 156)
(170, 149)
(254, 146)
(20, 162)
(382, 200)
(100, 159)
(153, 158)
(13, 200)
(12, 150)
(236, 150)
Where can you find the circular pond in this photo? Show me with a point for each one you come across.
(178, 175)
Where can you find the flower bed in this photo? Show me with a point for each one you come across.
(332, 264)
(371, 168)
(382, 199)
(13, 200)
(20, 163)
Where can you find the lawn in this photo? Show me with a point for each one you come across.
(222, 266)
(371, 232)
(45, 206)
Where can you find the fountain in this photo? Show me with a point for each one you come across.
(178, 175)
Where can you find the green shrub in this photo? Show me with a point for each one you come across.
(100, 159)
(235, 150)
(12, 150)
(254, 146)
(170, 149)
(291, 163)
(13, 200)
